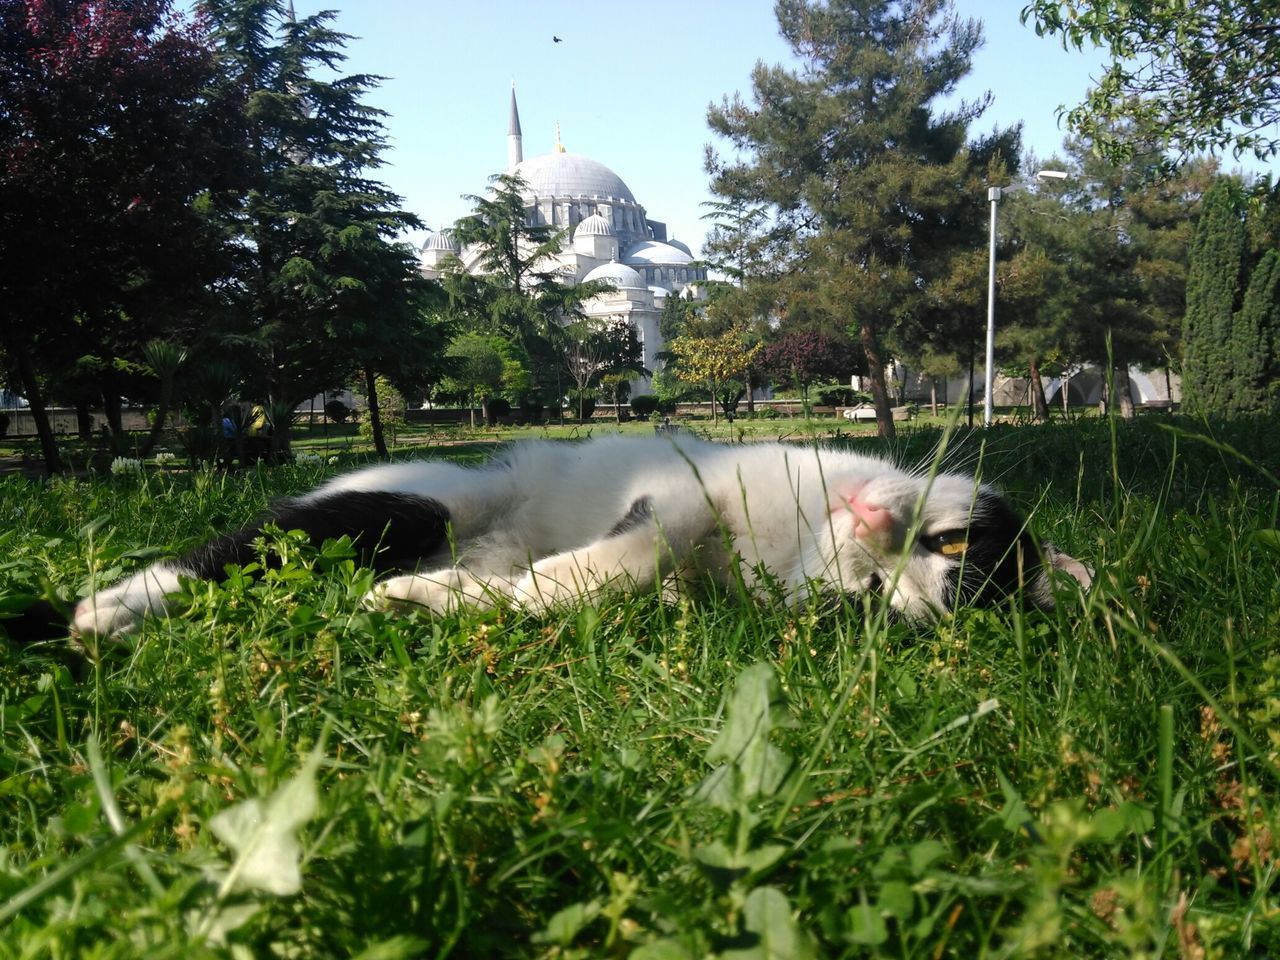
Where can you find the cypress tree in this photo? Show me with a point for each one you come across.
(1254, 340)
(1213, 282)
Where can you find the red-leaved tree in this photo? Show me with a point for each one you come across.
(110, 130)
(800, 358)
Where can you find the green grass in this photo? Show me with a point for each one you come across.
(1095, 782)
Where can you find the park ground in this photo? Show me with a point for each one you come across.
(274, 772)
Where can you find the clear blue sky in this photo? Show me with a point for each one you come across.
(629, 84)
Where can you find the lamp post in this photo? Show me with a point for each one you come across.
(993, 197)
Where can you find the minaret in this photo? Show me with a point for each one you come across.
(515, 151)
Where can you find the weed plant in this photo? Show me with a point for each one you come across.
(274, 772)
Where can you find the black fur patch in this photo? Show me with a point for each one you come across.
(640, 512)
(39, 621)
(1001, 555)
(392, 531)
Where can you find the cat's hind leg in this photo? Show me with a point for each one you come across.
(121, 607)
(391, 531)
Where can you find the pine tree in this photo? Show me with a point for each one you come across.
(1213, 281)
(325, 286)
(862, 171)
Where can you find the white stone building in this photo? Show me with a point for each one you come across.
(607, 235)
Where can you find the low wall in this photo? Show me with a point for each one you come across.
(63, 420)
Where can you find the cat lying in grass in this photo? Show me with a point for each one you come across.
(547, 524)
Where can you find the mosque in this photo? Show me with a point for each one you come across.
(608, 235)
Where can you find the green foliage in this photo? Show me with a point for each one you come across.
(1231, 358)
(1202, 76)
(872, 182)
(716, 362)
(644, 405)
(1255, 340)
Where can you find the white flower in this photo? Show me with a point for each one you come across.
(164, 458)
(308, 458)
(121, 466)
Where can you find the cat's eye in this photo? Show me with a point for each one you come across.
(949, 543)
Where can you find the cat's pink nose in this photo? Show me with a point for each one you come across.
(870, 521)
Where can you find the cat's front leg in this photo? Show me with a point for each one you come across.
(437, 591)
(120, 608)
(650, 541)
(631, 562)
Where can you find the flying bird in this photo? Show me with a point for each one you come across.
(555, 39)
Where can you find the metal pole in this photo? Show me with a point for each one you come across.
(993, 194)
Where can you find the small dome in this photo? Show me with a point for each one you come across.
(659, 292)
(595, 226)
(440, 240)
(679, 245)
(656, 253)
(619, 274)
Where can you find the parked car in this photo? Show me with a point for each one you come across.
(863, 411)
(867, 411)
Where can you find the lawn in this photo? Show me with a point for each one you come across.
(275, 772)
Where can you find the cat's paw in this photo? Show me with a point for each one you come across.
(100, 616)
(120, 609)
(436, 593)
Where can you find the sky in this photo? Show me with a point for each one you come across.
(629, 85)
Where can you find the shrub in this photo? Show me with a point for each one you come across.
(4, 423)
(644, 406)
(337, 411)
(498, 408)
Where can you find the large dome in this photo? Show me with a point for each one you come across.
(572, 175)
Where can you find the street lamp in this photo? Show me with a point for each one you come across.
(993, 195)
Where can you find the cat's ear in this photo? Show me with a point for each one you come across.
(1056, 561)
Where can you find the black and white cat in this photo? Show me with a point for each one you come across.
(549, 523)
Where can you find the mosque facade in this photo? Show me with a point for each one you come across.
(607, 235)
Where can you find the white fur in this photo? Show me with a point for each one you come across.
(534, 526)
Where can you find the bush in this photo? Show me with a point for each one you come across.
(4, 423)
(498, 408)
(667, 405)
(337, 411)
(644, 406)
(588, 405)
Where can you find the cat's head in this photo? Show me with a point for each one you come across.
(969, 547)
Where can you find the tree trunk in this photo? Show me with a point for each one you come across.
(375, 415)
(879, 389)
(84, 420)
(35, 405)
(111, 411)
(162, 414)
(933, 395)
(1124, 396)
(751, 395)
(1039, 406)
